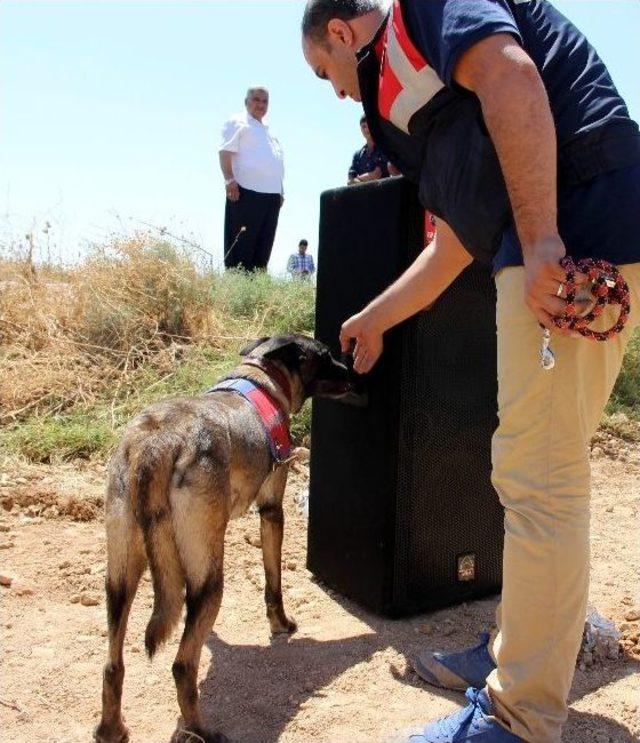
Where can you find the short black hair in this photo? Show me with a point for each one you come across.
(318, 13)
(303, 242)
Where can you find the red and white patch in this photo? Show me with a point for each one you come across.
(407, 82)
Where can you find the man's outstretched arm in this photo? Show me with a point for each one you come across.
(419, 286)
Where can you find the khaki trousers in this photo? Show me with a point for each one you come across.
(541, 473)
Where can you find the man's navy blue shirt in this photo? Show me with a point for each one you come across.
(582, 98)
(365, 161)
(581, 92)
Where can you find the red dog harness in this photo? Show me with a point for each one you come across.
(274, 420)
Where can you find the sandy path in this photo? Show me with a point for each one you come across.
(342, 678)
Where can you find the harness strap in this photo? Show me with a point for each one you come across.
(274, 421)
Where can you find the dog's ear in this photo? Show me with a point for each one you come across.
(253, 345)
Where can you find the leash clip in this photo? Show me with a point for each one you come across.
(547, 359)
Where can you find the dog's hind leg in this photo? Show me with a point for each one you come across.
(271, 532)
(199, 529)
(126, 562)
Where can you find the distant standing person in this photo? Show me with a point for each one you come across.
(252, 165)
(300, 264)
(369, 163)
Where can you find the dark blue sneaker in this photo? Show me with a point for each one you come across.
(473, 724)
(456, 671)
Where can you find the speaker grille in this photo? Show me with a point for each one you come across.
(446, 507)
(402, 514)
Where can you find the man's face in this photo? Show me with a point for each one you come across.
(302, 249)
(336, 61)
(257, 104)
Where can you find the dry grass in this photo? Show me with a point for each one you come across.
(83, 349)
(72, 339)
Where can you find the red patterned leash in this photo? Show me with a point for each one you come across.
(607, 287)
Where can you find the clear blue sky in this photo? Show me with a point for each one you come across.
(110, 112)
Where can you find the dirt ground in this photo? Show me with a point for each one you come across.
(343, 678)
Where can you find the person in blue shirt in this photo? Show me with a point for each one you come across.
(369, 163)
(508, 120)
(300, 264)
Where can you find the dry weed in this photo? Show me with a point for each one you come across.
(69, 341)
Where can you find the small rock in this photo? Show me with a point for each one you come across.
(75, 598)
(253, 540)
(633, 615)
(609, 509)
(302, 453)
(134, 649)
(4, 528)
(87, 599)
(597, 452)
(26, 520)
(7, 503)
(6, 545)
(22, 589)
(448, 630)
(425, 629)
(627, 600)
(64, 565)
(291, 565)
(21, 481)
(6, 580)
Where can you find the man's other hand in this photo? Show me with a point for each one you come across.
(233, 191)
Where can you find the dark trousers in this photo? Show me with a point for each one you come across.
(258, 213)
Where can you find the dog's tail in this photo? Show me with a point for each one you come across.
(151, 473)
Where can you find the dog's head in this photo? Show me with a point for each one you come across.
(311, 367)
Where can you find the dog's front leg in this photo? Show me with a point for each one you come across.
(271, 530)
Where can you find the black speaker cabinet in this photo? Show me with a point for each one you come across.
(402, 514)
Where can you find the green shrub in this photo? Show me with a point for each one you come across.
(59, 438)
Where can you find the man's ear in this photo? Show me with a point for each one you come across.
(253, 345)
(341, 31)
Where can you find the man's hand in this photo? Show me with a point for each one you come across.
(367, 335)
(544, 290)
(543, 278)
(233, 191)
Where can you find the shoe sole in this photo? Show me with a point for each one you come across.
(434, 673)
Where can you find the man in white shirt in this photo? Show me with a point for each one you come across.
(252, 165)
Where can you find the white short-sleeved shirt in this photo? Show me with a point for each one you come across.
(258, 162)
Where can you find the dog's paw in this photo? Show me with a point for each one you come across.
(283, 627)
(199, 736)
(111, 733)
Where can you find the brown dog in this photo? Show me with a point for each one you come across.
(183, 469)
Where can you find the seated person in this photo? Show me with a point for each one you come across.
(369, 163)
